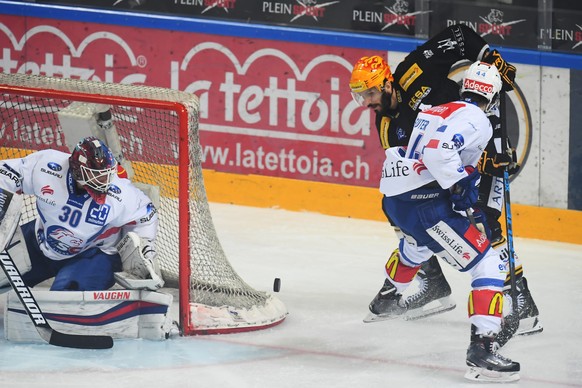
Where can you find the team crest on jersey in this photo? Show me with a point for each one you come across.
(401, 133)
(63, 241)
(97, 214)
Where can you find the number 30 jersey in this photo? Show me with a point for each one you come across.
(69, 221)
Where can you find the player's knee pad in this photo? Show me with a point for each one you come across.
(487, 302)
(400, 274)
(486, 298)
(19, 254)
(485, 309)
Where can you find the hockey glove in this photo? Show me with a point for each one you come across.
(496, 164)
(506, 70)
(139, 262)
(481, 222)
(466, 191)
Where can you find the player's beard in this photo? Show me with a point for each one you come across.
(385, 103)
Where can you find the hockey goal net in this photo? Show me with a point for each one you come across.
(154, 134)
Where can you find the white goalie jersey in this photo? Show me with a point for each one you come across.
(68, 221)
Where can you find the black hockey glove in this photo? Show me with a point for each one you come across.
(495, 164)
(506, 69)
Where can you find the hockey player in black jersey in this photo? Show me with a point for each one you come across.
(421, 81)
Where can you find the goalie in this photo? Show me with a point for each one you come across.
(93, 228)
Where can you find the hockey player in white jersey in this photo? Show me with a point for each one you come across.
(429, 189)
(84, 210)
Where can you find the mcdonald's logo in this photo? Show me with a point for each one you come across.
(496, 304)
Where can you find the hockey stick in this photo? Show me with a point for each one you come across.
(507, 204)
(26, 297)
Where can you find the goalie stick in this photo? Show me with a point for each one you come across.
(10, 205)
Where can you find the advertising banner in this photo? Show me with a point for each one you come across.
(566, 32)
(276, 108)
(499, 25)
(270, 108)
(389, 16)
(516, 23)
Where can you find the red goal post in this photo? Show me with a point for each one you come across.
(154, 133)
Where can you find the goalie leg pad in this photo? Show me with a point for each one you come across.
(122, 314)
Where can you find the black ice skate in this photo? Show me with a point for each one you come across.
(433, 296)
(387, 304)
(523, 322)
(485, 364)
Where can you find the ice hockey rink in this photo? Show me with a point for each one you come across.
(330, 268)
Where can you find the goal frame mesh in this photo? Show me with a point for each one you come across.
(269, 311)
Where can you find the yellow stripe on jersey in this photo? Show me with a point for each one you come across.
(383, 132)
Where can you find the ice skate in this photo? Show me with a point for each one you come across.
(529, 322)
(433, 296)
(485, 364)
(525, 321)
(387, 304)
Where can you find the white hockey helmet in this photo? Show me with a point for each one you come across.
(484, 80)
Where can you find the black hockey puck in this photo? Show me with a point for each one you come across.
(277, 285)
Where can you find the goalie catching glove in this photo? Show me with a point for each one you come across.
(494, 164)
(139, 262)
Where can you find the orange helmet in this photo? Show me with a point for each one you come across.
(370, 72)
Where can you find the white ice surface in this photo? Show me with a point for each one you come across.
(330, 269)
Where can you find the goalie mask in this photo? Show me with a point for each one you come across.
(483, 80)
(368, 78)
(93, 166)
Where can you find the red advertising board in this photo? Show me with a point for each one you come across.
(266, 107)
